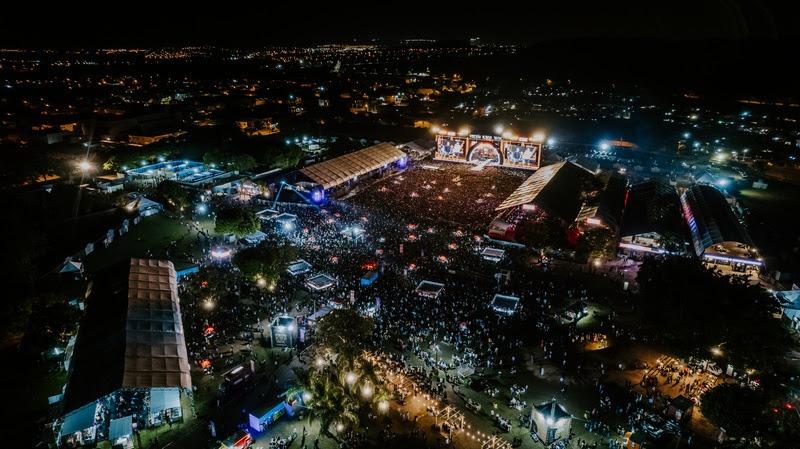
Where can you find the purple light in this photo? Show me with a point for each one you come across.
(402, 162)
(317, 196)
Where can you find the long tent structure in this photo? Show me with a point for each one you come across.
(340, 170)
(717, 234)
(131, 338)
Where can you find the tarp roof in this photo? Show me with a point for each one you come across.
(555, 188)
(339, 170)
(80, 419)
(164, 399)
(120, 428)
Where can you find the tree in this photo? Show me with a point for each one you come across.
(343, 379)
(597, 243)
(174, 195)
(346, 332)
(236, 220)
(737, 409)
(242, 162)
(266, 261)
(696, 308)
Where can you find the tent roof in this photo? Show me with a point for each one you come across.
(132, 334)
(505, 301)
(552, 409)
(339, 170)
(711, 219)
(120, 428)
(164, 399)
(70, 266)
(78, 420)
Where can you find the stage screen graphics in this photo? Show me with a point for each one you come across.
(522, 154)
(484, 151)
(489, 150)
(451, 147)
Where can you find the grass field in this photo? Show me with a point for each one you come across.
(159, 236)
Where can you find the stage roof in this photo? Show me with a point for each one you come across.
(132, 335)
(339, 170)
(555, 188)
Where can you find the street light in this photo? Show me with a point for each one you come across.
(366, 391)
(85, 166)
(350, 378)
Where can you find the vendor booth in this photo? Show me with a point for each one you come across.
(320, 281)
(283, 332)
(429, 289)
(505, 304)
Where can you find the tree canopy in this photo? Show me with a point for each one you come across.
(236, 220)
(345, 332)
(597, 243)
(267, 260)
(175, 196)
(696, 308)
(739, 410)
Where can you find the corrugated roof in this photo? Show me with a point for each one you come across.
(339, 170)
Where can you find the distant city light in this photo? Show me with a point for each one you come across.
(551, 141)
(202, 208)
(605, 146)
(687, 135)
(498, 129)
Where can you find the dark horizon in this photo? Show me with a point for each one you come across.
(159, 25)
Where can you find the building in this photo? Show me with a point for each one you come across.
(188, 173)
(717, 234)
(551, 422)
(130, 358)
(652, 222)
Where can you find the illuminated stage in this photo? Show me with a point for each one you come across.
(482, 150)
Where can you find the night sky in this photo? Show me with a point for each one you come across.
(141, 23)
